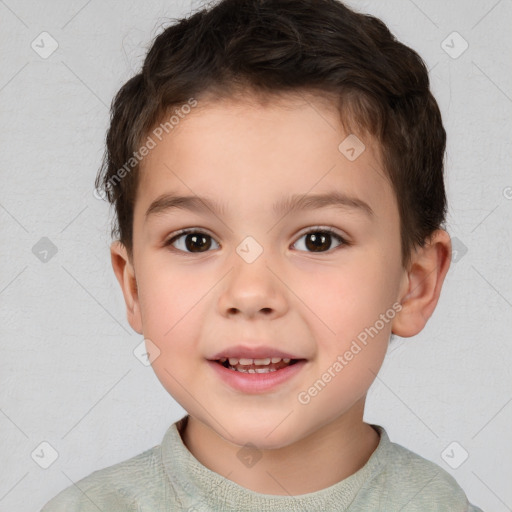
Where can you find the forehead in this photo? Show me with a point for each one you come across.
(249, 151)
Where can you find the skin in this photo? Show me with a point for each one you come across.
(192, 305)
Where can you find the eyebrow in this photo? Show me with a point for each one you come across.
(169, 202)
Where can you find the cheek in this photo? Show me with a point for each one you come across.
(168, 297)
(171, 313)
(355, 303)
(350, 297)
(173, 305)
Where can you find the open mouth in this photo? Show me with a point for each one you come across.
(266, 365)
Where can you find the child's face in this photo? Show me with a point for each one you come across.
(203, 296)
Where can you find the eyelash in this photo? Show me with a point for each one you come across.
(319, 229)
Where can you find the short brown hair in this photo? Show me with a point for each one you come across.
(277, 47)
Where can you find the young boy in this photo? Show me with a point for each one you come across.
(277, 175)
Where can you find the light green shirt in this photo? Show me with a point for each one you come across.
(169, 478)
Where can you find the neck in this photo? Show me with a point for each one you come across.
(332, 453)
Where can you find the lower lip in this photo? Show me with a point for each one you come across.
(256, 382)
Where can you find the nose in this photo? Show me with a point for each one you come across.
(253, 290)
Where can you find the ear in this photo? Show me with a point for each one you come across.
(125, 273)
(421, 285)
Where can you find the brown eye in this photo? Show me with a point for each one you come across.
(191, 242)
(320, 240)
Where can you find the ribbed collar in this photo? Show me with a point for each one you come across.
(197, 485)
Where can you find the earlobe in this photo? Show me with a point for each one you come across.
(125, 274)
(422, 284)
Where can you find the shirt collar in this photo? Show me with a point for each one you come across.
(200, 487)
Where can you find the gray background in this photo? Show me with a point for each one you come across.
(68, 376)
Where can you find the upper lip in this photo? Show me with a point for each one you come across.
(257, 352)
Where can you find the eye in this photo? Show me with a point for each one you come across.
(319, 239)
(194, 241)
(190, 240)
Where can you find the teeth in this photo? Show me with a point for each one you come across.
(233, 361)
(256, 370)
(262, 361)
